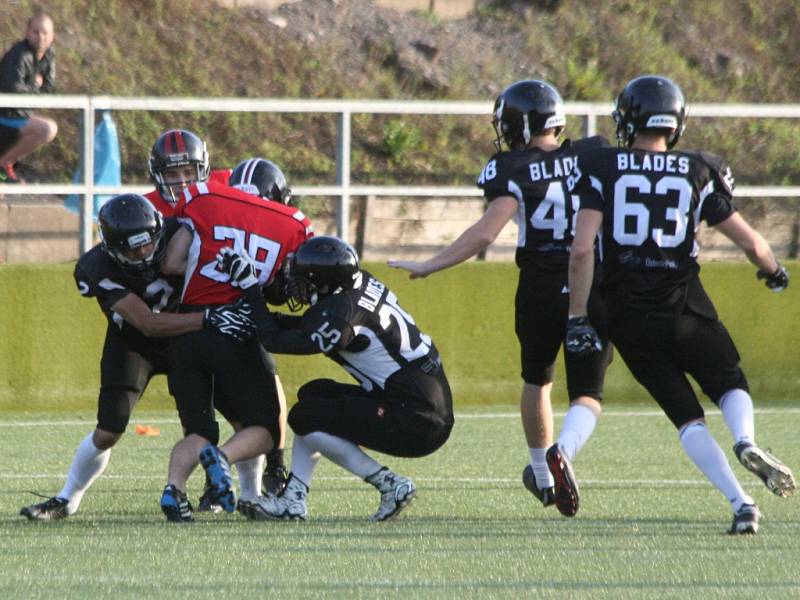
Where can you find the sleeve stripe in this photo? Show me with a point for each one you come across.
(107, 284)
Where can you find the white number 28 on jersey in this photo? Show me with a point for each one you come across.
(254, 244)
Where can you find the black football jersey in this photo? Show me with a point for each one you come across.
(546, 214)
(652, 204)
(367, 332)
(98, 276)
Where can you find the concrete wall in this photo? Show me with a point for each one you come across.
(384, 228)
(37, 232)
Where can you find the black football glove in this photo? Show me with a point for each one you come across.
(240, 267)
(231, 319)
(582, 339)
(778, 281)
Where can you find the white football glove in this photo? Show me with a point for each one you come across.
(240, 267)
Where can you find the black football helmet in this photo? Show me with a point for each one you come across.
(525, 109)
(130, 221)
(263, 178)
(321, 266)
(649, 102)
(177, 148)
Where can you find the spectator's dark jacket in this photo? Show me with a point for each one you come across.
(18, 70)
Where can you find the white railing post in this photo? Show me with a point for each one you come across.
(87, 170)
(591, 123)
(343, 175)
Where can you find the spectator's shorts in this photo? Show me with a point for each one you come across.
(13, 122)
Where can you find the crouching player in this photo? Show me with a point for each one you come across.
(403, 406)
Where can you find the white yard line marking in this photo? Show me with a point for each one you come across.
(513, 481)
(512, 415)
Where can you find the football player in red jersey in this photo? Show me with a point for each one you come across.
(178, 159)
(263, 178)
(217, 216)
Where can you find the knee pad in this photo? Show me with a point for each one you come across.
(114, 408)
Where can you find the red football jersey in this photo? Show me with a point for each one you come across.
(167, 208)
(222, 216)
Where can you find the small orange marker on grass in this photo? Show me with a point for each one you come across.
(147, 430)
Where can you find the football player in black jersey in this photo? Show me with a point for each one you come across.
(122, 273)
(528, 182)
(648, 200)
(403, 406)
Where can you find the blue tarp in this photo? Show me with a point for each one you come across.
(107, 163)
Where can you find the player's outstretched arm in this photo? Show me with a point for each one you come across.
(473, 240)
(757, 250)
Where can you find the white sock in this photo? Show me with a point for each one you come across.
(704, 451)
(345, 454)
(737, 410)
(304, 460)
(88, 464)
(250, 477)
(578, 426)
(544, 478)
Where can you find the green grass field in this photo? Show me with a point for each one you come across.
(649, 525)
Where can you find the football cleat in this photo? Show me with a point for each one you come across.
(291, 505)
(175, 505)
(208, 502)
(7, 175)
(745, 520)
(218, 470)
(396, 493)
(567, 496)
(246, 508)
(274, 480)
(545, 495)
(52, 510)
(776, 476)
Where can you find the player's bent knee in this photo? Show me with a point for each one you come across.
(52, 131)
(302, 420)
(208, 431)
(103, 440)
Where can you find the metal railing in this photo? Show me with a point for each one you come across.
(342, 189)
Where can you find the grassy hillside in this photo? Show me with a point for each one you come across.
(719, 51)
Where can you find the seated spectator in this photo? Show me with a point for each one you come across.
(29, 67)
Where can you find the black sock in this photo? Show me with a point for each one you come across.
(275, 458)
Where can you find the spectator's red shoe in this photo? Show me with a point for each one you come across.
(7, 175)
